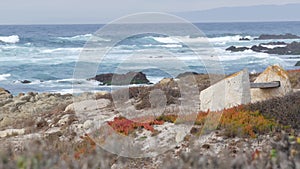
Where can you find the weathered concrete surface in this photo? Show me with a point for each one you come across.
(231, 91)
(272, 73)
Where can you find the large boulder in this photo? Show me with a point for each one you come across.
(229, 92)
(236, 49)
(186, 74)
(121, 79)
(271, 74)
(4, 94)
(298, 63)
(87, 105)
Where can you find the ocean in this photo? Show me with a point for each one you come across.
(47, 55)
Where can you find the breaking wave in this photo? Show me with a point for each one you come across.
(10, 39)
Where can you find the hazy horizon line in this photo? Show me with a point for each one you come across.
(205, 22)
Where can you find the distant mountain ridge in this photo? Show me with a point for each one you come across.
(288, 12)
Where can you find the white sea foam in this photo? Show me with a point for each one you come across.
(235, 38)
(4, 76)
(225, 39)
(171, 46)
(187, 39)
(154, 79)
(75, 50)
(164, 46)
(10, 39)
(166, 40)
(86, 37)
(273, 46)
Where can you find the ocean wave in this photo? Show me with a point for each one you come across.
(4, 76)
(10, 39)
(76, 82)
(218, 40)
(153, 40)
(77, 37)
(235, 38)
(248, 54)
(222, 40)
(165, 45)
(86, 37)
(273, 46)
(166, 40)
(75, 50)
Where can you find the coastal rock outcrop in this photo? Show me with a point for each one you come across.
(236, 49)
(4, 94)
(229, 92)
(285, 36)
(121, 79)
(271, 74)
(284, 48)
(25, 81)
(244, 39)
(186, 74)
(87, 105)
(25, 106)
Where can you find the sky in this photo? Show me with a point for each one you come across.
(100, 11)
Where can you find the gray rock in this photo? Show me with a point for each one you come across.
(122, 79)
(13, 109)
(298, 63)
(285, 36)
(88, 124)
(272, 73)
(25, 98)
(4, 94)
(11, 132)
(19, 102)
(88, 105)
(236, 49)
(4, 102)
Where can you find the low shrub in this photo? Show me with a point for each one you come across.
(234, 121)
(125, 126)
(285, 110)
(245, 123)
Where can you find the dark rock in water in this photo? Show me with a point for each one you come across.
(236, 49)
(290, 48)
(274, 43)
(244, 39)
(186, 74)
(259, 48)
(25, 81)
(286, 36)
(298, 63)
(122, 79)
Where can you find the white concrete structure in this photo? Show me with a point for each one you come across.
(231, 91)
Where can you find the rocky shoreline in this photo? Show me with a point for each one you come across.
(285, 49)
(275, 47)
(57, 125)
